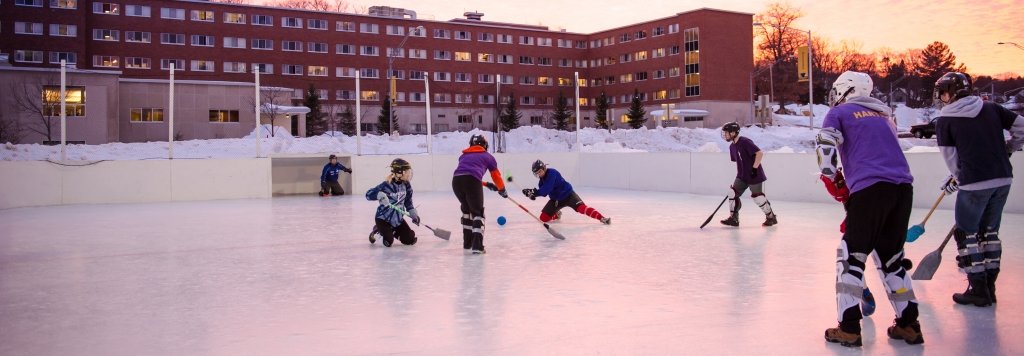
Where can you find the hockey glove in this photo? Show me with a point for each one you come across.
(753, 172)
(530, 193)
(950, 186)
(491, 186)
(349, 170)
(382, 198)
(416, 219)
(837, 187)
(503, 193)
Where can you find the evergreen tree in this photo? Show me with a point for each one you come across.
(636, 113)
(384, 123)
(510, 114)
(348, 121)
(602, 112)
(315, 123)
(936, 60)
(562, 113)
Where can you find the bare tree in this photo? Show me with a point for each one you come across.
(270, 98)
(29, 100)
(318, 5)
(778, 42)
(241, 2)
(10, 129)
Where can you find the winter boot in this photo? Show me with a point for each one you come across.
(977, 292)
(733, 220)
(478, 245)
(992, 284)
(769, 220)
(910, 333)
(606, 220)
(373, 234)
(842, 337)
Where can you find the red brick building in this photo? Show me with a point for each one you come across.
(698, 59)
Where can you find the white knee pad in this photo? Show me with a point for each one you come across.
(762, 202)
(897, 283)
(849, 280)
(734, 200)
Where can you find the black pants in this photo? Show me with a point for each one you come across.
(470, 193)
(404, 233)
(332, 188)
(553, 206)
(876, 220)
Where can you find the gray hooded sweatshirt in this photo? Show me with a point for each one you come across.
(971, 107)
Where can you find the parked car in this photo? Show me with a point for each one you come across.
(924, 130)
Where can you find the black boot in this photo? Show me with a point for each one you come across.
(770, 220)
(992, 274)
(977, 292)
(733, 220)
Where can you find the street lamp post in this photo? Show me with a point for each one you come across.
(1014, 44)
(771, 83)
(391, 76)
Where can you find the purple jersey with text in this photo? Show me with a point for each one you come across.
(870, 151)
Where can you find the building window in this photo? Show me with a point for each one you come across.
(316, 71)
(199, 65)
(345, 72)
(137, 36)
(67, 57)
(417, 74)
(544, 81)
(316, 24)
(691, 59)
(28, 28)
(463, 35)
(263, 20)
(673, 72)
(179, 64)
(370, 95)
(345, 95)
(463, 56)
(673, 28)
(506, 79)
(368, 50)
(105, 8)
(344, 49)
(442, 55)
(463, 77)
(147, 115)
(291, 22)
(106, 61)
(202, 15)
(544, 61)
(658, 31)
(640, 76)
(137, 63)
(640, 56)
(505, 59)
(369, 73)
(291, 69)
(368, 28)
(485, 58)
(660, 95)
(418, 53)
(465, 119)
(485, 99)
(463, 98)
(442, 98)
(526, 60)
(442, 76)
(526, 40)
(264, 68)
(545, 42)
(485, 78)
(345, 26)
(485, 37)
(537, 120)
(291, 46)
(259, 43)
(235, 18)
(396, 52)
(565, 62)
(60, 4)
(439, 33)
(505, 38)
(74, 101)
(223, 115)
(61, 30)
(106, 35)
(172, 14)
(316, 47)
(395, 30)
(203, 40)
(693, 118)
(527, 80)
(33, 3)
(234, 42)
(234, 67)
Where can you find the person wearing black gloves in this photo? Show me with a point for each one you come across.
(749, 173)
(970, 136)
(329, 177)
(394, 196)
(552, 185)
(467, 183)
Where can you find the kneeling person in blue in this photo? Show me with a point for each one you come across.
(554, 186)
(329, 177)
(395, 197)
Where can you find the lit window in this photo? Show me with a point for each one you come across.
(106, 61)
(223, 115)
(463, 56)
(231, 17)
(317, 71)
(106, 8)
(371, 95)
(61, 30)
(58, 4)
(74, 101)
(202, 66)
(147, 115)
(136, 63)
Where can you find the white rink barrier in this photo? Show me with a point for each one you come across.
(791, 177)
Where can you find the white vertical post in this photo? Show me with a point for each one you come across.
(810, 77)
(258, 111)
(576, 77)
(359, 115)
(63, 112)
(498, 127)
(426, 86)
(170, 116)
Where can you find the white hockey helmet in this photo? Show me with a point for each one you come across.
(850, 85)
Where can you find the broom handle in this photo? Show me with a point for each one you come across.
(936, 205)
(950, 234)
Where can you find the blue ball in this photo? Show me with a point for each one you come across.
(501, 220)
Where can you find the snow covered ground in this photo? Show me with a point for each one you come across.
(521, 140)
(296, 275)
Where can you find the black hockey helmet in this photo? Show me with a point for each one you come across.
(731, 127)
(399, 166)
(537, 166)
(332, 157)
(478, 140)
(957, 84)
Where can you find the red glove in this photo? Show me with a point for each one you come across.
(837, 188)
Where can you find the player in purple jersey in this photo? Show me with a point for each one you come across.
(467, 183)
(859, 129)
(749, 173)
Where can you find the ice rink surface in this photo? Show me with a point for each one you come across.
(297, 276)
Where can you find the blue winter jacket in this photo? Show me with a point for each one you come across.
(331, 172)
(553, 185)
(400, 195)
